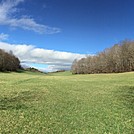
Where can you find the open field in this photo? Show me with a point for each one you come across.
(66, 104)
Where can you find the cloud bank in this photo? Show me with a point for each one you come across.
(7, 10)
(55, 60)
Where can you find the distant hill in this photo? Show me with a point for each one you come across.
(31, 69)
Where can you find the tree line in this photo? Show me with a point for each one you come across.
(117, 59)
(8, 62)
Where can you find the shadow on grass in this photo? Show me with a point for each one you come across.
(126, 95)
(17, 71)
(19, 101)
(20, 71)
(11, 103)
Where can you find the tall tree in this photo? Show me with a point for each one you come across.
(119, 58)
(8, 62)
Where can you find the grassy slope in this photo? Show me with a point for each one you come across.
(81, 104)
(66, 73)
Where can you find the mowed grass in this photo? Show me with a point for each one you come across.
(71, 104)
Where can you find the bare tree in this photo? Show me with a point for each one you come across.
(8, 62)
(119, 58)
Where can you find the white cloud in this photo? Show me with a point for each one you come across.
(7, 10)
(54, 68)
(30, 54)
(3, 36)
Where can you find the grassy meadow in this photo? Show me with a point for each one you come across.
(32, 103)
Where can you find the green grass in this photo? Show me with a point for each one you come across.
(66, 73)
(66, 104)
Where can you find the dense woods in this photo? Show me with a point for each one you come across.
(8, 62)
(119, 58)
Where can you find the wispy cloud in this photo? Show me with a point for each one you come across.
(7, 10)
(55, 60)
(3, 36)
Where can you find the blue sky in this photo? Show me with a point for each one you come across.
(63, 27)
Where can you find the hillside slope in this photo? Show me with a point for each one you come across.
(84, 104)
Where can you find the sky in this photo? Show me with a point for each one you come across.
(50, 34)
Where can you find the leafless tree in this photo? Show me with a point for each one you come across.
(8, 62)
(119, 58)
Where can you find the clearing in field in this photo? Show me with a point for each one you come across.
(66, 104)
